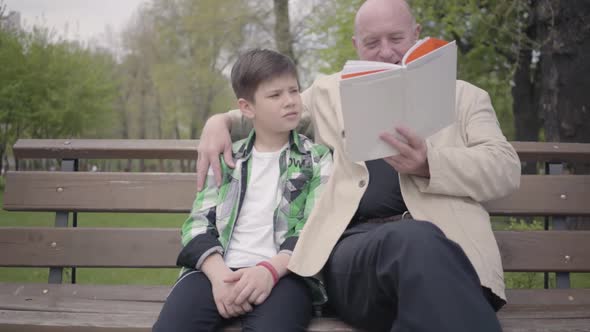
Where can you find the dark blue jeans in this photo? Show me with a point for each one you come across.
(190, 307)
(406, 276)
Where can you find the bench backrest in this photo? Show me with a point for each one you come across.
(69, 192)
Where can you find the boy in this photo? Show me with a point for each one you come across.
(239, 237)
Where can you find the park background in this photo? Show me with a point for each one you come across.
(165, 71)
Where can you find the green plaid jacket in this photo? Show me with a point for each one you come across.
(304, 168)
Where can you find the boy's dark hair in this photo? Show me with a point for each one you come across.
(256, 66)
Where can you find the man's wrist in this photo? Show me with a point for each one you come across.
(224, 118)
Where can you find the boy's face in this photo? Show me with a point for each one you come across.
(276, 107)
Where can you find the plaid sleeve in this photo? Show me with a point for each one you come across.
(199, 234)
(322, 167)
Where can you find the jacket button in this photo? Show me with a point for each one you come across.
(343, 134)
(362, 183)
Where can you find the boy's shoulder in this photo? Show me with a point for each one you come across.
(312, 147)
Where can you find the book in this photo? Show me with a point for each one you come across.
(419, 93)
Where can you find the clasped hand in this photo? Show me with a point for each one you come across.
(238, 291)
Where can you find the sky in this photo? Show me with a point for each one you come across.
(87, 19)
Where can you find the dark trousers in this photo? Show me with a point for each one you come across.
(190, 307)
(406, 276)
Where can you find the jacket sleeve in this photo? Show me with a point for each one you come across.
(199, 234)
(485, 168)
(322, 166)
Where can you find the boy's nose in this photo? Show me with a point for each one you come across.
(290, 100)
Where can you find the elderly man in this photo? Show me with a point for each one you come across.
(403, 242)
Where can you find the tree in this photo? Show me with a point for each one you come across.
(556, 86)
(283, 36)
(196, 42)
(51, 88)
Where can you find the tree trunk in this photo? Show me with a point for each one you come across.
(142, 120)
(525, 106)
(564, 30)
(159, 126)
(527, 122)
(564, 33)
(283, 37)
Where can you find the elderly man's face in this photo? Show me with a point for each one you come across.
(385, 30)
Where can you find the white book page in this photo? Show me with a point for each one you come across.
(431, 91)
(358, 66)
(366, 118)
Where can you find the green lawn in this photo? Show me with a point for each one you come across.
(167, 276)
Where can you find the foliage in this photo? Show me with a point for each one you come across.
(51, 89)
(176, 52)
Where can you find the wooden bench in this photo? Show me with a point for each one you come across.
(62, 306)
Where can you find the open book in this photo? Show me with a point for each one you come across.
(419, 94)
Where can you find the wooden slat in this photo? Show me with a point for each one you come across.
(87, 191)
(75, 305)
(545, 325)
(566, 195)
(551, 151)
(537, 251)
(546, 311)
(49, 321)
(568, 296)
(89, 247)
(533, 251)
(141, 293)
(105, 149)
(187, 149)
(514, 318)
(175, 192)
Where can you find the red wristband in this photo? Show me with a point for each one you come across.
(271, 269)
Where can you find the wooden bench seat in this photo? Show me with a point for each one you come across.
(41, 307)
(57, 306)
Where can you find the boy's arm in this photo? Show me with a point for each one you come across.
(199, 234)
(322, 166)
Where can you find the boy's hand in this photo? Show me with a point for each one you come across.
(251, 285)
(222, 295)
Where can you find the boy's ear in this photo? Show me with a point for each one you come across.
(246, 108)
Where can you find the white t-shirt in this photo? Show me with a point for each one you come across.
(252, 240)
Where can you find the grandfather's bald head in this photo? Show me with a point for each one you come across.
(384, 30)
(369, 7)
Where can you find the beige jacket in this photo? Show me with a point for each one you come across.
(470, 162)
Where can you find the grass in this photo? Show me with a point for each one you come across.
(168, 276)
